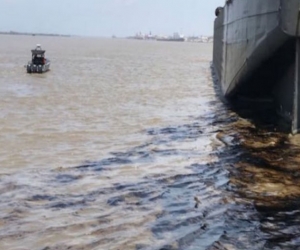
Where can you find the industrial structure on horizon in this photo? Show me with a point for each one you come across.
(175, 37)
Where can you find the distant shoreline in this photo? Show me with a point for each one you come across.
(31, 34)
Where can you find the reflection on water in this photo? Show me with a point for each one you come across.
(136, 151)
(264, 181)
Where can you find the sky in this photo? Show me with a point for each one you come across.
(109, 17)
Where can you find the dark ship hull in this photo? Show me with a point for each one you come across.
(257, 54)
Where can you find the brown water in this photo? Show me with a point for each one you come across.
(124, 145)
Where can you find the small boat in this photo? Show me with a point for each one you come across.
(38, 63)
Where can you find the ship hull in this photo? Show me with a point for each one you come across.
(256, 46)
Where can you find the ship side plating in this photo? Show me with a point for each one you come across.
(257, 53)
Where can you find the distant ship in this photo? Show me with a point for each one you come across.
(175, 38)
(256, 55)
(170, 39)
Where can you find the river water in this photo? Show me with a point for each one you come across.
(125, 144)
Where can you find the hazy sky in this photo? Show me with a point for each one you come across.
(109, 17)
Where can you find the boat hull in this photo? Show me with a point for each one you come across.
(255, 50)
(38, 68)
